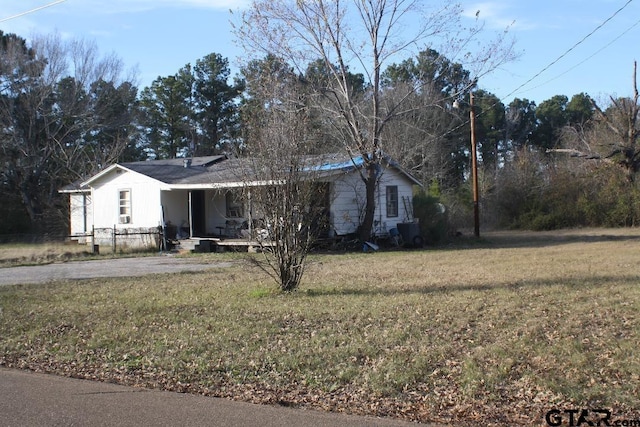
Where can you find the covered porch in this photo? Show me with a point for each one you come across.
(204, 218)
(206, 213)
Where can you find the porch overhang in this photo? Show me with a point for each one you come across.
(222, 185)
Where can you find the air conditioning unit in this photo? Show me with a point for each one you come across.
(125, 219)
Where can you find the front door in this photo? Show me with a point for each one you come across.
(198, 221)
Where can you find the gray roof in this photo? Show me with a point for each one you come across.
(197, 170)
(221, 169)
(216, 170)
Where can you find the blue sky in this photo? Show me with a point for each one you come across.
(160, 36)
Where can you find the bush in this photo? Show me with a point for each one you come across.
(432, 217)
(538, 193)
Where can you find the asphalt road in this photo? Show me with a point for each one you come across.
(30, 399)
(116, 267)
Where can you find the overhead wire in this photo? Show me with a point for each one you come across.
(32, 10)
(572, 48)
(589, 57)
(569, 50)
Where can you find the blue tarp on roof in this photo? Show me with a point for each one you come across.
(347, 164)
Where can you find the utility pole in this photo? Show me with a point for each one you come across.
(474, 168)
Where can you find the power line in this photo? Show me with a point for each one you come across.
(31, 11)
(570, 49)
(590, 56)
(562, 56)
(499, 100)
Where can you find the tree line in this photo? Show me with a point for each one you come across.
(66, 112)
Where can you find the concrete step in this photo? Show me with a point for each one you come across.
(187, 245)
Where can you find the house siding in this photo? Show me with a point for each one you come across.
(176, 207)
(405, 199)
(146, 214)
(348, 202)
(145, 201)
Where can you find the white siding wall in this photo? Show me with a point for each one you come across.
(176, 206)
(145, 200)
(349, 197)
(347, 203)
(405, 194)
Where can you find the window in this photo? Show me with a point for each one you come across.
(234, 205)
(392, 201)
(124, 206)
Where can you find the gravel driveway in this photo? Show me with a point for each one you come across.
(117, 267)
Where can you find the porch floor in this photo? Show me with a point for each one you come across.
(216, 244)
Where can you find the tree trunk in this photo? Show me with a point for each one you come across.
(370, 205)
(29, 205)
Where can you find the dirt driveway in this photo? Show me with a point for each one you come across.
(117, 267)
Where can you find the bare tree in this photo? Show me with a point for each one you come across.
(288, 203)
(621, 120)
(63, 112)
(425, 141)
(612, 137)
(366, 35)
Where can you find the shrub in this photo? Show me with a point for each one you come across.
(538, 193)
(432, 217)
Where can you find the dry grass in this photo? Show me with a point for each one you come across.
(16, 254)
(25, 254)
(491, 332)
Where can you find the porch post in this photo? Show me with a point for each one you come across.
(84, 213)
(190, 215)
(250, 214)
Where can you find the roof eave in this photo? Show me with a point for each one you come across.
(101, 174)
(74, 191)
(222, 185)
(108, 170)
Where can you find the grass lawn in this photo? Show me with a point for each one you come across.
(12, 254)
(495, 332)
(22, 254)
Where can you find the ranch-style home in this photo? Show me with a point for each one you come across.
(200, 198)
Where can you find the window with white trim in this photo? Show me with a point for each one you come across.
(392, 201)
(124, 203)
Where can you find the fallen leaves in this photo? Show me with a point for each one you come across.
(444, 345)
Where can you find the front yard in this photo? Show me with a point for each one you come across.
(492, 332)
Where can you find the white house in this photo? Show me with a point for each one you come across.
(199, 198)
